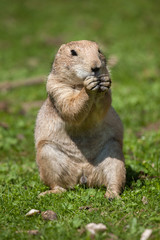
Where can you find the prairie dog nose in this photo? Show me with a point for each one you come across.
(95, 70)
(96, 65)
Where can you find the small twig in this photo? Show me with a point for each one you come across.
(6, 86)
(122, 219)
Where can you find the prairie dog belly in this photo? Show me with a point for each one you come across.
(82, 147)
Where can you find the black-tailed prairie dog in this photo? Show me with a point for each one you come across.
(78, 134)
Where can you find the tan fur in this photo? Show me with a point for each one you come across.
(78, 135)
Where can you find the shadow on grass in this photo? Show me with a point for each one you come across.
(131, 176)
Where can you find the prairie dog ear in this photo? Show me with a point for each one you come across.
(61, 47)
(60, 50)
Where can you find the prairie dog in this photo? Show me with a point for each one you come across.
(78, 134)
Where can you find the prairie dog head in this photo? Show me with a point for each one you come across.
(76, 60)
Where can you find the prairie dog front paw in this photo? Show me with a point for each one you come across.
(105, 82)
(101, 83)
(91, 83)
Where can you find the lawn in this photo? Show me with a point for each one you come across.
(129, 35)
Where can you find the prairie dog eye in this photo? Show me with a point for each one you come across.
(99, 51)
(74, 53)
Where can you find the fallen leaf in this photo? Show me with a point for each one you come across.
(49, 215)
(32, 212)
(146, 234)
(144, 200)
(93, 228)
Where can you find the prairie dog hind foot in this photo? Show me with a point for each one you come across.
(55, 190)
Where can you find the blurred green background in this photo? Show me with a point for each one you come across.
(32, 31)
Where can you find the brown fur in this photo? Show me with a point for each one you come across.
(78, 134)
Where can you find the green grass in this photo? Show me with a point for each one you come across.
(30, 34)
